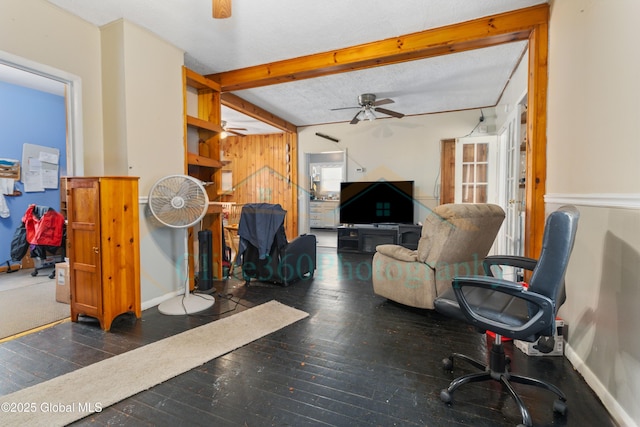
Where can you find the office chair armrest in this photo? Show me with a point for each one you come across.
(540, 319)
(508, 260)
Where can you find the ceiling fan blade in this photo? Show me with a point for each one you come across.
(389, 112)
(355, 119)
(343, 108)
(383, 102)
(235, 133)
(221, 9)
(235, 128)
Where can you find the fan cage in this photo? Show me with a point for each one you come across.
(178, 201)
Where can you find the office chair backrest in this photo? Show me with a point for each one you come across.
(557, 244)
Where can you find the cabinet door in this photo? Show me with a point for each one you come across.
(84, 251)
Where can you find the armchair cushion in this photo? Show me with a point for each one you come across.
(397, 252)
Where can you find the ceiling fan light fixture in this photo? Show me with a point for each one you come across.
(368, 114)
(221, 9)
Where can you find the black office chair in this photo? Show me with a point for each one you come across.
(512, 310)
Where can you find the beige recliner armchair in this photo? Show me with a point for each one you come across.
(455, 240)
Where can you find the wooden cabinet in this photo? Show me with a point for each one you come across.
(104, 247)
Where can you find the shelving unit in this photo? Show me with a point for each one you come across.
(202, 156)
(364, 239)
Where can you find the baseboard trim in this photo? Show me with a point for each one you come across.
(615, 410)
(598, 200)
(159, 300)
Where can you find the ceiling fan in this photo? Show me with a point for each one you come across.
(368, 105)
(231, 130)
(221, 9)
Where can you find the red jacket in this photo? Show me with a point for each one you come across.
(45, 230)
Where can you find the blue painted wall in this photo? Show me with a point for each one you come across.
(33, 117)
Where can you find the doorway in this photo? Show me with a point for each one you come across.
(326, 171)
(447, 171)
(23, 72)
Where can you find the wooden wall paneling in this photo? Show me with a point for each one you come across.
(259, 167)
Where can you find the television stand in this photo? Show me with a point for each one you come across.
(365, 238)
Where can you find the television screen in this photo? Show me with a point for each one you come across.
(376, 202)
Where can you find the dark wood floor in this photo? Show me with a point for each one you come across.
(357, 360)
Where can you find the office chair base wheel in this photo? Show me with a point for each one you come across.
(447, 364)
(560, 406)
(445, 396)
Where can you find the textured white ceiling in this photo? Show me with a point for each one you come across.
(264, 31)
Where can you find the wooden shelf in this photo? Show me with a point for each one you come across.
(203, 124)
(214, 208)
(196, 160)
(203, 157)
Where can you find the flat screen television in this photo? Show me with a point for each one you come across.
(379, 202)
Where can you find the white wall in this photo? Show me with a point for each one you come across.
(391, 149)
(592, 157)
(40, 32)
(513, 93)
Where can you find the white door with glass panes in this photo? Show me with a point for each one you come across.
(475, 170)
(512, 146)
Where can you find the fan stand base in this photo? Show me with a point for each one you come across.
(181, 305)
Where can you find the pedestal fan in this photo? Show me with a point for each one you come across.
(180, 201)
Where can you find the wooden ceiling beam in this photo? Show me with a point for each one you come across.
(476, 34)
(233, 101)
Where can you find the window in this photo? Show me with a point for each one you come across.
(475, 175)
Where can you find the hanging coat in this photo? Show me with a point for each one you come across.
(45, 226)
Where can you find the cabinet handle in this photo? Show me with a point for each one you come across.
(95, 249)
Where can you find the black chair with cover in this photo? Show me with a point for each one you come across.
(511, 309)
(265, 253)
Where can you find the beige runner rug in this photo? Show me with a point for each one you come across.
(77, 394)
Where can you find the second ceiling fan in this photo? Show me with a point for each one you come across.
(368, 106)
(231, 130)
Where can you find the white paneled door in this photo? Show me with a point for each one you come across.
(476, 168)
(512, 142)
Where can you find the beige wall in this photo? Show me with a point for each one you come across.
(114, 99)
(593, 155)
(594, 88)
(37, 31)
(144, 128)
